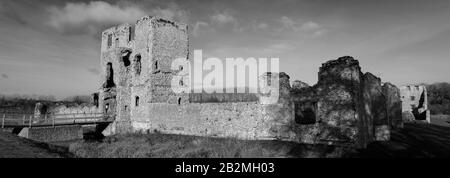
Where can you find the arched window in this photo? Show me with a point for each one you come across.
(137, 64)
(126, 57)
(109, 40)
(137, 101)
(109, 76)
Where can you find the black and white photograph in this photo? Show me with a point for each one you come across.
(258, 79)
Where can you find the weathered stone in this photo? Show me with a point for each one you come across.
(394, 105)
(342, 108)
(297, 84)
(376, 105)
(415, 103)
(52, 134)
(40, 110)
(339, 92)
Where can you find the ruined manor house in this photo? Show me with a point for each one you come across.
(345, 107)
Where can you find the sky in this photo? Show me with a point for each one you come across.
(52, 47)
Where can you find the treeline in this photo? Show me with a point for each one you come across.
(18, 98)
(439, 98)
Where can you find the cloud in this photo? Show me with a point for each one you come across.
(262, 26)
(5, 76)
(199, 25)
(90, 17)
(93, 70)
(300, 25)
(222, 18)
(172, 11)
(95, 16)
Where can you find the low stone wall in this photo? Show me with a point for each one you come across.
(63, 111)
(51, 134)
(245, 120)
(222, 97)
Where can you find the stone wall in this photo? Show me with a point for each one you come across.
(222, 97)
(339, 91)
(52, 134)
(241, 120)
(245, 120)
(344, 107)
(62, 111)
(415, 103)
(394, 105)
(376, 110)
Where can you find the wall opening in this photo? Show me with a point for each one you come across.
(109, 76)
(179, 101)
(131, 33)
(137, 64)
(106, 107)
(109, 40)
(95, 99)
(126, 58)
(305, 115)
(136, 100)
(156, 65)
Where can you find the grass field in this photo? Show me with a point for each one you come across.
(414, 140)
(12, 146)
(178, 146)
(441, 120)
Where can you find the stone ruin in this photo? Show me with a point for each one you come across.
(346, 106)
(415, 103)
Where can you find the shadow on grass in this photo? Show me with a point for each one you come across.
(415, 140)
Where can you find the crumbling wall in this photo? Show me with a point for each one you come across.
(62, 111)
(158, 43)
(305, 103)
(169, 42)
(339, 92)
(116, 71)
(415, 103)
(245, 120)
(375, 108)
(345, 106)
(52, 134)
(394, 105)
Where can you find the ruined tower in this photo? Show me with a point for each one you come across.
(136, 67)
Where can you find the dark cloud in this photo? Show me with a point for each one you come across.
(5, 76)
(9, 11)
(95, 16)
